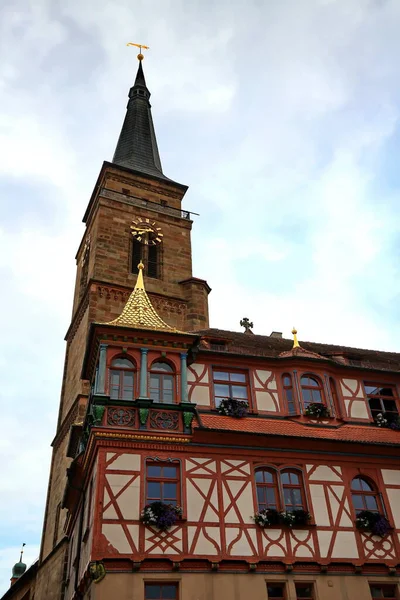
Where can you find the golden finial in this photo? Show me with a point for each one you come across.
(22, 551)
(140, 56)
(295, 340)
(139, 282)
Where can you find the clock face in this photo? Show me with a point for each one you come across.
(146, 231)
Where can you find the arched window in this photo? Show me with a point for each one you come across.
(293, 492)
(311, 389)
(364, 495)
(150, 255)
(162, 382)
(122, 379)
(267, 489)
(289, 393)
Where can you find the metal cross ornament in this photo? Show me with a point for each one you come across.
(246, 324)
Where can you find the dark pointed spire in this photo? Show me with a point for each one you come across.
(137, 145)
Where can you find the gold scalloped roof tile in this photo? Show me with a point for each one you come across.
(139, 311)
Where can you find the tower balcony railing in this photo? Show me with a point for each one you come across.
(148, 204)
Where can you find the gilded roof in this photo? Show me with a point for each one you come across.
(139, 311)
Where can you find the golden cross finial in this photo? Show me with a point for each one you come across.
(295, 340)
(140, 46)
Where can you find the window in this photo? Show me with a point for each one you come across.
(304, 590)
(289, 495)
(276, 590)
(381, 399)
(121, 379)
(311, 389)
(267, 489)
(162, 382)
(387, 591)
(289, 393)
(162, 483)
(292, 488)
(150, 255)
(161, 591)
(230, 384)
(364, 496)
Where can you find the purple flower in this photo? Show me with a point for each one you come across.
(233, 408)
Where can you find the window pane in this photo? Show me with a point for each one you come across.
(358, 501)
(220, 375)
(296, 497)
(154, 489)
(154, 381)
(313, 382)
(285, 478)
(371, 389)
(307, 396)
(294, 478)
(152, 592)
(169, 491)
(238, 377)
(122, 362)
(386, 391)
(160, 366)
(221, 390)
(287, 497)
(154, 471)
(167, 382)
(375, 404)
(390, 405)
(366, 486)
(167, 396)
(371, 503)
(169, 472)
(276, 590)
(356, 484)
(259, 476)
(316, 396)
(271, 497)
(169, 592)
(239, 392)
(260, 495)
(287, 380)
(304, 591)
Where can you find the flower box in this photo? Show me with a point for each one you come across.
(317, 410)
(233, 408)
(390, 420)
(270, 517)
(161, 515)
(375, 523)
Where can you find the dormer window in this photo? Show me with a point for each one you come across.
(311, 390)
(381, 400)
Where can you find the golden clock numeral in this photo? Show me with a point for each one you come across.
(139, 238)
(158, 239)
(161, 235)
(147, 220)
(158, 228)
(153, 223)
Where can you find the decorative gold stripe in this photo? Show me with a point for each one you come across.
(153, 438)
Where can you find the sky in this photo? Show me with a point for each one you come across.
(282, 116)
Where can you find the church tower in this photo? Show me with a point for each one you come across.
(134, 215)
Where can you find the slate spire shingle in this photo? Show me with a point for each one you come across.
(137, 144)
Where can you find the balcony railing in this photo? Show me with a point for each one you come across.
(148, 204)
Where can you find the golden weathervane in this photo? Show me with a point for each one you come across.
(140, 46)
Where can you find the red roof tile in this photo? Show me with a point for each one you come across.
(343, 433)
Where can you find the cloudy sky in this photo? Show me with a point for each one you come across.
(283, 118)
